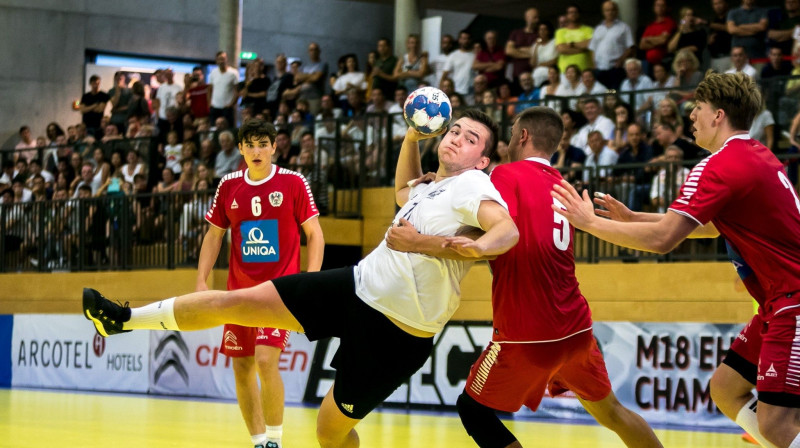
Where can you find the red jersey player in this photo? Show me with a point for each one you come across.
(542, 336)
(264, 206)
(742, 193)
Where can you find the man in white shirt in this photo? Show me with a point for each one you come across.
(387, 309)
(612, 43)
(438, 62)
(634, 81)
(167, 94)
(222, 83)
(26, 148)
(741, 64)
(600, 155)
(459, 64)
(595, 121)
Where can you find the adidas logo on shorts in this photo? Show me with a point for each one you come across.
(348, 407)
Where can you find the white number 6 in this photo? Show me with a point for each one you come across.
(256, 203)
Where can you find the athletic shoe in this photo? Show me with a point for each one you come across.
(749, 439)
(106, 315)
(271, 445)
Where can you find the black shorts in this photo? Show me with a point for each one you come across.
(374, 357)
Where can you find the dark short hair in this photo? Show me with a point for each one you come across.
(23, 129)
(283, 132)
(306, 133)
(666, 124)
(545, 127)
(93, 78)
(494, 130)
(85, 187)
(256, 129)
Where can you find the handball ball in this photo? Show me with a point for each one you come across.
(427, 110)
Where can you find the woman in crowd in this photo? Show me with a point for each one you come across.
(687, 75)
(353, 78)
(572, 85)
(667, 112)
(690, 35)
(550, 89)
(102, 170)
(413, 66)
(623, 116)
(133, 166)
(543, 53)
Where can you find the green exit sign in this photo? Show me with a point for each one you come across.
(248, 55)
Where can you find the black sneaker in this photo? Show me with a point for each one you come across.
(271, 445)
(106, 315)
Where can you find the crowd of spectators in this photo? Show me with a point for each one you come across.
(624, 95)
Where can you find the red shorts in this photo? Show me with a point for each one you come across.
(238, 341)
(771, 355)
(508, 375)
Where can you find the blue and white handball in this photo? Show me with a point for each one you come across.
(427, 110)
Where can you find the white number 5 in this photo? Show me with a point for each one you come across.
(788, 185)
(256, 203)
(560, 236)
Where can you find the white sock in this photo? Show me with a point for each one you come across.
(746, 418)
(274, 434)
(156, 316)
(259, 439)
(796, 442)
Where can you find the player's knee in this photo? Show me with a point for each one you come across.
(482, 423)
(328, 438)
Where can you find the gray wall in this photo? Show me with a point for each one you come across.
(43, 42)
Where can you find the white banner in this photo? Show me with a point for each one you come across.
(190, 363)
(658, 370)
(64, 351)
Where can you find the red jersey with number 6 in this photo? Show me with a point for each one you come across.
(264, 217)
(535, 294)
(743, 190)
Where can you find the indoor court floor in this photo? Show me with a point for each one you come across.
(34, 418)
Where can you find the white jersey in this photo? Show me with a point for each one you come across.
(418, 290)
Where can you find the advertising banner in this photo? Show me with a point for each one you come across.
(190, 364)
(63, 351)
(659, 370)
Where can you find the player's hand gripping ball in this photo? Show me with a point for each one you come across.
(427, 110)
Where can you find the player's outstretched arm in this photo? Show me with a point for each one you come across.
(209, 252)
(659, 237)
(409, 166)
(617, 211)
(315, 243)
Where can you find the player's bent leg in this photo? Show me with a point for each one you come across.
(483, 425)
(629, 426)
(779, 425)
(730, 391)
(244, 374)
(272, 393)
(334, 429)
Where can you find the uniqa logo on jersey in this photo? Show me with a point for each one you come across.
(260, 241)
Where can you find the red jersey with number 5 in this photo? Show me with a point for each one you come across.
(535, 294)
(264, 217)
(744, 191)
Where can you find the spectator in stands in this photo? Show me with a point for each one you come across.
(635, 182)
(133, 166)
(662, 79)
(763, 127)
(383, 71)
(572, 42)
(594, 122)
(120, 97)
(102, 170)
(316, 177)
(740, 62)
(519, 46)
(35, 169)
(222, 86)
(447, 86)
(666, 135)
(110, 134)
(490, 60)
(26, 148)
(137, 106)
(490, 105)
(573, 122)
(657, 34)
(172, 152)
(351, 79)
(458, 66)
(543, 54)
(355, 106)
(284, 151)
(92, 105)
(311, 79)
(166, 97)
(437, 63)
(690, 36)
(529, 96)
(192, 225)
(669, 179)
(116, 163)
(84, 180)
(612, 44)
(413, 66)
(601, 158)
(399, 126)
(667, 112)
(328, 106)
(687, 75)
(571, 86)
(7, 174)
(53, 131)
(719, 39)
(253, 90)
(199, 96)
(228, 157)
(782, 25)
(54, 156)
(283, 81)
(480, 86)
(773, 89)
(188, 175)
(568, 158)
(636, 80)
(748, 27)
(591, 85)
(623, 116)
